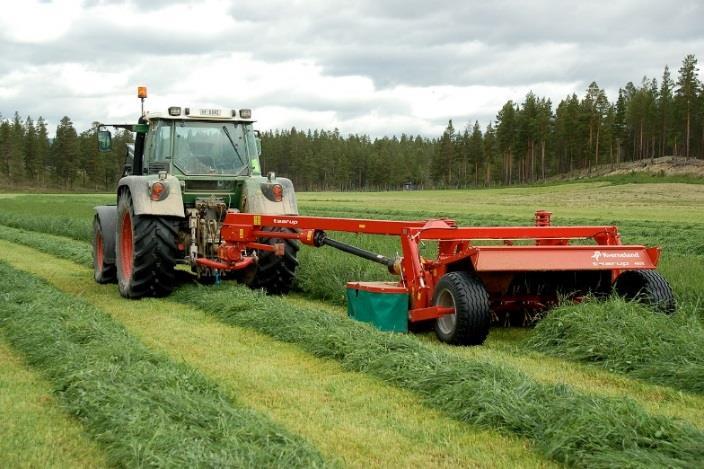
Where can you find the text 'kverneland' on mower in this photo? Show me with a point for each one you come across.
(193, 194)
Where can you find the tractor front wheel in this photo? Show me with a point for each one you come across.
(469, 325)
(647, 287)
(145, 251)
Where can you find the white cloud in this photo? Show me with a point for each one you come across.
(377, 67)
(36, 22)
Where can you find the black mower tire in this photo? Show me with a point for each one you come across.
(648, 287)
(272, 273)
(472, 319)
(145, 252)
(103, 271)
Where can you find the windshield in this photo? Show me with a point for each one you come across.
(210, 148)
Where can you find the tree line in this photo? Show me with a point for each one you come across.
(527, 142)
(29, 158)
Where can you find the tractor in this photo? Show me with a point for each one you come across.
(187, 168)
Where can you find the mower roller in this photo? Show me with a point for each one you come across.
(480, 275)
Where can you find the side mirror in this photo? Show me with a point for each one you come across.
(258, 142)
(104, 140)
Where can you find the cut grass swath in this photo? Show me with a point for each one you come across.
(350, 417)
(143, 408)
(621, 337)
(76, 251)
(35, 432)
(628, 338)
(565, 425)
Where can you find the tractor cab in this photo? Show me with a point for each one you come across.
(201, 143)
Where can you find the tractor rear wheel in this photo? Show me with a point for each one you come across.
(145, 251)
(103, 272)
(275, 274)
(648, 287)
(469, 325)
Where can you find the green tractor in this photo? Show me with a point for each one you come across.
(187, 167)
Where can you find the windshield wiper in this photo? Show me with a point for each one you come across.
(237, 152)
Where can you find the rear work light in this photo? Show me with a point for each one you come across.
(158, 191)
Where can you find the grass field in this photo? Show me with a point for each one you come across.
(598, 385)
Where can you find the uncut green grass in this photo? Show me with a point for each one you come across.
(628, 338)
(657, 202)
(567, 426)
(144, 409)
(673, 220)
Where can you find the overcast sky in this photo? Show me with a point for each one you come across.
(379, 67)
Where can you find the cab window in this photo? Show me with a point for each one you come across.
(160, 143)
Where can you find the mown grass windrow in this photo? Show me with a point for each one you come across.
(143, 408)
(566, 425)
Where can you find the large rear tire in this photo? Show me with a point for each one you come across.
(470, 323)
(647, 287)
(146, 251)
(103, 271)
(275, 274)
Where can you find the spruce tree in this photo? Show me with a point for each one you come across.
(506, 127)
(687, 92)
(665, 105)
(15, 151)
(31, 163)
(5, 148)
(42, 151)
(476, 151)
(65, 152)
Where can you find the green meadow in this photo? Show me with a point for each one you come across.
(221, 375)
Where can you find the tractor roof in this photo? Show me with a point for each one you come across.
(197, 113)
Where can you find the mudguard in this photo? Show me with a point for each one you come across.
(254, 199)
(107, 217)
(138, 186)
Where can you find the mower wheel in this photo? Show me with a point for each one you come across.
(275, 274)
(469, 325)
(648, 287)
(103, 271)
(145, 251)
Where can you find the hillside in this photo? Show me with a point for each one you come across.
(662, 166)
